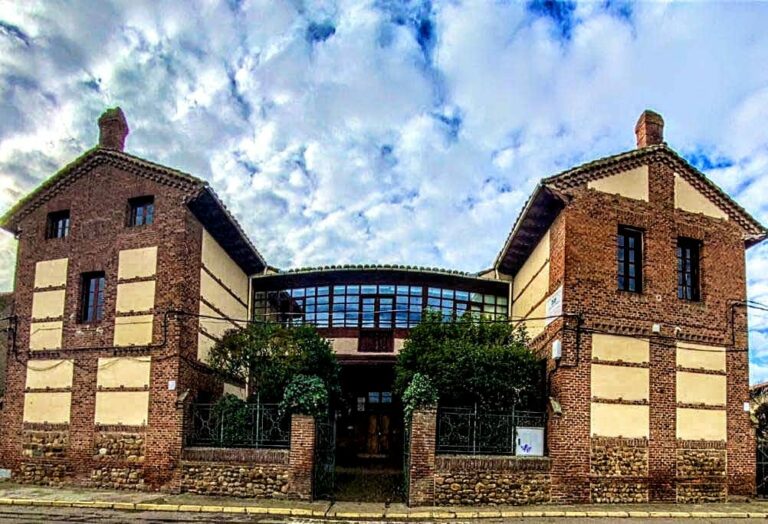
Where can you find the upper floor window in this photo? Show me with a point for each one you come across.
(629, 256)
(92, 308)
(58, 224)
(142, 211)
(688, 257)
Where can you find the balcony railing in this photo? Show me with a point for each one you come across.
(252, 426)
(472, 431)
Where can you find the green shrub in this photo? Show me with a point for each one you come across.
(467, 361)
(234, 426)
(305, 395)
(420, 393)
(268, 356)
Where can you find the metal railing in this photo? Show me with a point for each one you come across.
(252, 426)
(473, 431)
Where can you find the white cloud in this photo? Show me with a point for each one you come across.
(384, 131)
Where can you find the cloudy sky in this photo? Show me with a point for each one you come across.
(386, 131)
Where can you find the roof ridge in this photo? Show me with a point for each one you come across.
(336, 267)
(94, 154)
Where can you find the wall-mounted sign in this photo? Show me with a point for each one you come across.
(529, 442)
(361, 403)
(554, 306)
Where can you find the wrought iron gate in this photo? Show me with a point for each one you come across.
(762, 469)
(325, 459)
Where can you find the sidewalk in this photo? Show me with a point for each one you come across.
(24, 495)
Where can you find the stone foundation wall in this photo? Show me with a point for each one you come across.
(43, 473)
(118, 460)
(121, 446)
(618, 470)
(48, 444)
(701, 474)
(491, 480)
(235, 480)
(118, 477)
(262, 473)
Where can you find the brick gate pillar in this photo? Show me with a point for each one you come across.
(421, 463)
(302, 457)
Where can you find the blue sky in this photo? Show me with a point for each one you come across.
(386, 131)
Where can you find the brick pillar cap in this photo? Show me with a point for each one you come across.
(649, 129)
(113, 129)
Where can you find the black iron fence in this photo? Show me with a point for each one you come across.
(250, 426)
(473, 431)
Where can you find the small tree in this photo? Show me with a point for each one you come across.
(269, 356)
(470, 361)
(305, 395)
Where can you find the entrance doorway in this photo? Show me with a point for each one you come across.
(369, 429)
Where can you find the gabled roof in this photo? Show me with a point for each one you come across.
(203, 202)
(547, 200)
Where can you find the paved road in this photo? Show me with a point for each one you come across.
(30, 515)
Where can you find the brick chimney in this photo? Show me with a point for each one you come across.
(649, 129)
(113, 129)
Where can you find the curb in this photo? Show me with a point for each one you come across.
(444, 514)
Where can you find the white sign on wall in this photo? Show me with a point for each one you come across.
(554, 306)
(530, 442)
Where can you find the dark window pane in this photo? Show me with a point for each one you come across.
(92, 307)
(58, 225)
(629, 259)
(142, 211)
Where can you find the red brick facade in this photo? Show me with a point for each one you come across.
(582, 259)
(97, 199)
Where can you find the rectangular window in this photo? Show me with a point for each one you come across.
(629, 257)
(92, 297)
(688, 256)
(58, 224)
(142, 211)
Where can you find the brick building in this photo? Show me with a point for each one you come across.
(628, 272)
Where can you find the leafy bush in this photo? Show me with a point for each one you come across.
(467, 361)
(420, 393)
(268, 356)
(233, 421)
(305, 395)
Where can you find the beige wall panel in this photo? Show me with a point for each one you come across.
(617, 382)
(689, 199)
(698, 388)
(49, 374)
(536, 291)
(214, 326)
(344, 346)
(619, 420)
(219, 297)
(538, 257)
(630, 184)
(129, 408)
(204, 346)
(42, 407)
(133, 331)
(48, 304)
(399, 344)
(137, 263)
(701, 424)
(697, 356)
(618, 348)
(131, 372)
(229, 389)
(220, 264)
(536, 327)
(45, 335)
(51, 273)
(135, 296)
